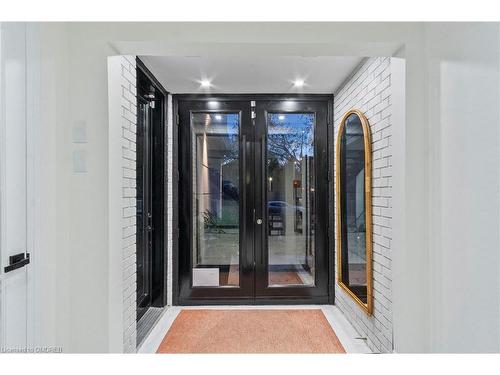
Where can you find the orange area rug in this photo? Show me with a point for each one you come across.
(250, 331)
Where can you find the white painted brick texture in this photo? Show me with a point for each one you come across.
(129, 129)
(369, 90)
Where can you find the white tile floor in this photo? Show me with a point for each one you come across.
(344, 331)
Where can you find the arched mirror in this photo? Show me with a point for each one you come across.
(354, 208)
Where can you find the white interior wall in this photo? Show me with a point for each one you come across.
(442, 60)
(89, 230)
(116, 200)
(464, 256)
(398, 105)
(409, 263)
(71, 225)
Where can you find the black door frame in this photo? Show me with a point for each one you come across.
(144, 240)
(320, 292)
(158, 192)
(329, 230)
(184, 198)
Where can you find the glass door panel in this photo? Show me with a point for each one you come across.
(216, 199)
(215, 222)
(290, 198)
(291, 173)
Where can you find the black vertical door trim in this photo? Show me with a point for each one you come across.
(175, 201)
(331, 199)
(144, 247)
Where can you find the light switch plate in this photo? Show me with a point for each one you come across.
(80, 132)
(80, 161)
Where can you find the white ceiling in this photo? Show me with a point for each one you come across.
(243, 74)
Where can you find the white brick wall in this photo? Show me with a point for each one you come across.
(129, 126)
(369, 90)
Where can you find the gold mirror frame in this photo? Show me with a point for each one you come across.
(368, 306)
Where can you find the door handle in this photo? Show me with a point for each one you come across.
(259, 221)
(17, 261)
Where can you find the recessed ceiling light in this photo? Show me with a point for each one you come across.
(205, 83)
(298, 83)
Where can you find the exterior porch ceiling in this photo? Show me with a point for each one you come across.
(251, 74)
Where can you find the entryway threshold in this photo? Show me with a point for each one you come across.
(147, 323)
(348, 337)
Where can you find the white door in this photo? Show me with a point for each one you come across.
(13, 189)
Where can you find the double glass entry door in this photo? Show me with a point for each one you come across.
(253, 200)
